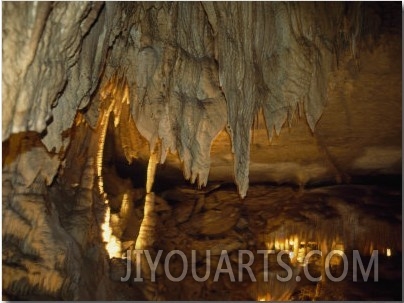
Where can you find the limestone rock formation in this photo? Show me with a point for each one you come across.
(92, 88)
(181, 64)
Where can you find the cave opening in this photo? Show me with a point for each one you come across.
(202, 151)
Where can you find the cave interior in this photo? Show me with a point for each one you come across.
(205, 128)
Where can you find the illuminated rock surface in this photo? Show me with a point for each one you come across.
(91, 90)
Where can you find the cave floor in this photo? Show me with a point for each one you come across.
(271, 219)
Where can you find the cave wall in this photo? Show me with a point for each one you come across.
(178, 74)
(358, 136)
(184, 64)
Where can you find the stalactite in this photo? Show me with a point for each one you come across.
(172, 75)
(286, 49)
(151, 171)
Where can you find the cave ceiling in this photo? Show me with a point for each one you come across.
(189, 72)
(217, 93)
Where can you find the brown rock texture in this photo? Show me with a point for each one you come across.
(302, 94)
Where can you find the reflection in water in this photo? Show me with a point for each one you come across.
(274, 289)
(321, 219)
(146, 237)
(113, 245)
(126, 207)
(146, 233)
(147, 228)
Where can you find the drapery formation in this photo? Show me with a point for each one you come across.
(191, 69)
(81, 75)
